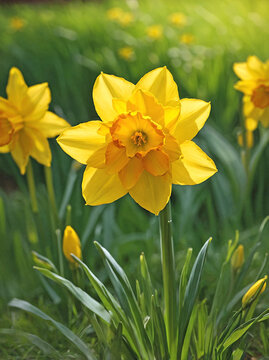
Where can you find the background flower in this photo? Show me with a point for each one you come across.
(26, 110)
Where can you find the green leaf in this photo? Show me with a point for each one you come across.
(191, 293)
(33, 339)
(26, 306)
(81, 295)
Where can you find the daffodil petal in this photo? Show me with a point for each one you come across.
(193, 115)
(161, 84)
(50, 125)
(4, 149)
(146, 103)
(151, 192)
(106, 88)
(242, 71)
(40, 149)
(116, 158)
(81, 141)
(7, 108)
(131, 172)
(16, 87)
(98, 158)
(21, 150)
(36, 102)
(156, 162)
(99, 187)
(193, 167)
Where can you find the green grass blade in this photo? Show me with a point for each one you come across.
(26, 306)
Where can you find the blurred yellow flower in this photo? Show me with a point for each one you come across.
(26, 109)
(249, 139)
(155, 32)
(187, 38)
(16, 23)
(252, 292)
(143, 145)
(126, 53)
(254, 83)
(6, 131)
(238, 258)
(71, 244)
(178, 19)
(114, 13)
(124, 18)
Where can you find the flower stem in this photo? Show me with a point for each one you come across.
(169, 285)
(51, 193)
(31, 186)
(60, 253)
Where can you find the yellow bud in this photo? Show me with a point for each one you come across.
(71, 244)
(238, 258)
(249, 295)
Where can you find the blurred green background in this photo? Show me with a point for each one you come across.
(67, 45)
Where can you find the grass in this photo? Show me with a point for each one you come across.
(67, 46)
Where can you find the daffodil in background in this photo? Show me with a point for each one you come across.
(143, 144)
(254, 83)
(155, 32)
(26, 121)
(126, 53)
(178, 19)
(187, 38)
(17, 23)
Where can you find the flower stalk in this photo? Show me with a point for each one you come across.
(168, 270)
(51, 194)
(31, 186)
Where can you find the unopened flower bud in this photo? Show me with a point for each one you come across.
(238, 258)
(252, 292)
(71, 244)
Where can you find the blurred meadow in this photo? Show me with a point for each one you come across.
(68, 45)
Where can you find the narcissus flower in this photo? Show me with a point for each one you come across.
(254, 83)
(253, 291)
(143, 145)
(71, 244)
(126, 53)
(186, 38)
(178, 19)
(26, 123)
(155, 32)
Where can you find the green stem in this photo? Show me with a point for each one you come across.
(60, 252)
(169, 282)
(31, 186)
(51, 193)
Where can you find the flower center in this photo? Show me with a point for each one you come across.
(139, 138)
(138, 134)
(260, 96)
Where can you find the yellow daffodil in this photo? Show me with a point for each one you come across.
(26, 111)
(6, 131)
(126, 53)
(114, 13)
(238, 258)
(16, 23)
(178, 19)
(155, 32)
(187, 38)
(143, 145)
(120, 16)
(254, 83)
(249, 139)
(252, 292)
(71, 244)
